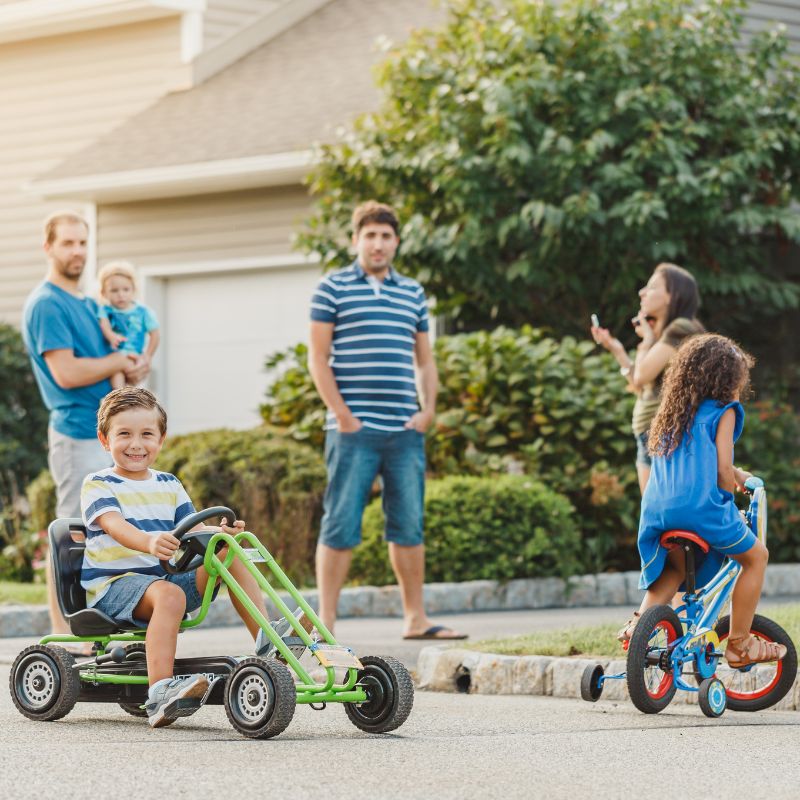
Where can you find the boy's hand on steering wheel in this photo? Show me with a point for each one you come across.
(163, 545)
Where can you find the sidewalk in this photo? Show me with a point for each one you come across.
(581, 591)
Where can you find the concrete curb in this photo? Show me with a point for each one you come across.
(444, 669)
(605, 589)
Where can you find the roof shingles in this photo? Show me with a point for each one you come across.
(284, 96)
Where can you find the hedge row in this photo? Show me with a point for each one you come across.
(475, 527)
(518, 401)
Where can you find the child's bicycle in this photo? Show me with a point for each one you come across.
(259, 694)
(682, 648)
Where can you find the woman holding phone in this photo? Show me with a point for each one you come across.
(667, 315)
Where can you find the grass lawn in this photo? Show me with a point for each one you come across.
(600, 640)
(12, 592)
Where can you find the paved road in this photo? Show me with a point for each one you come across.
(453, 746)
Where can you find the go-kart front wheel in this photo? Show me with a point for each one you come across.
(390, 695)
(260, 698)
(44, 686)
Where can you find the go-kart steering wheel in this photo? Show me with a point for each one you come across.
(192, 551)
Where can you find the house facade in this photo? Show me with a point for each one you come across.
(183, 130)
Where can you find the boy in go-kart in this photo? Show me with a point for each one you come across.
(130, 512)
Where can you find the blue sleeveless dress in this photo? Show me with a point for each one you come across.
(683, 494)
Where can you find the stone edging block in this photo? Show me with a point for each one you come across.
(450, 669)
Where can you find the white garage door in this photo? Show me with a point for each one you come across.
(218, 329)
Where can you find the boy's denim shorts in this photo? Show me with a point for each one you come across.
(125, 593)
(354, 460)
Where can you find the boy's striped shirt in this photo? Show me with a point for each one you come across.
(154, 505)
(375, 325)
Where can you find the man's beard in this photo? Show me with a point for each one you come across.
(70, 269)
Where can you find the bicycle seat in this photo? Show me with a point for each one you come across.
(672, 539)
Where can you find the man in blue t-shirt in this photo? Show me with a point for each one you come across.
(72, 363)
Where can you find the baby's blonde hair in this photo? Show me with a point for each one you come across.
(122, 268)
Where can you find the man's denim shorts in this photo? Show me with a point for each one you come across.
(124, 594)
(642, 456)
(354, 460)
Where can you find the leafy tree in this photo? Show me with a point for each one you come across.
(23, 434)
(545, 158)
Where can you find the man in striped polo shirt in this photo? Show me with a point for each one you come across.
(369, 343)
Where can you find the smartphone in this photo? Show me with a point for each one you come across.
(595, 321)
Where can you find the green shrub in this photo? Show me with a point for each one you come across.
(519, 401)
(481, 528)
(26, 552)
(515, 401)
(23, 449)
(770, 448)
(274, 484)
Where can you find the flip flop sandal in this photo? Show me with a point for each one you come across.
(434, 631)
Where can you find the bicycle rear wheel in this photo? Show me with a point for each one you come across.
(651, 683)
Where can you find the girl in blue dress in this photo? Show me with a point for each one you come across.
(691, 488)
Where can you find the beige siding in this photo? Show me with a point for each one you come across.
(58, 95)
(763, 14)
(219, 227)
(224, 18)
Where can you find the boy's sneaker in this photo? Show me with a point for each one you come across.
(266, 649)
(174, 697)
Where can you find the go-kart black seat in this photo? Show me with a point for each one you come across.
(67, 543)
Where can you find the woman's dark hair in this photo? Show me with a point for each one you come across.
(706, 367)
(684, 299)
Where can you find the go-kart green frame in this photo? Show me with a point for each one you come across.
(377, 692)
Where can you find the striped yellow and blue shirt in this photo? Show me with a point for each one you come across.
(375, 326)
(154, 505)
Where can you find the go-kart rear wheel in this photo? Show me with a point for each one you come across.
(651, 683)
(390, 695)
(134, 652)
(762, 685)
(44, 686)
(260, 698)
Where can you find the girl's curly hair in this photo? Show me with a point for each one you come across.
(706, 367)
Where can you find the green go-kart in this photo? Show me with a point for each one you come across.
(259, 694)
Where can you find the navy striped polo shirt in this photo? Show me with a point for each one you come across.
(374, 334)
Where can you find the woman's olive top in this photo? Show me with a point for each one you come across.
(649, 399)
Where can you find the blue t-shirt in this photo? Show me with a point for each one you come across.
(57, 320)
(133, 323)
